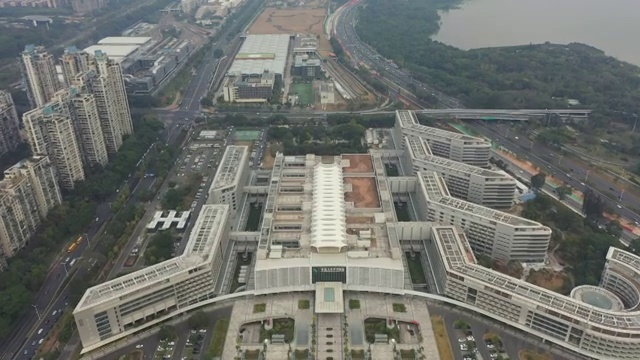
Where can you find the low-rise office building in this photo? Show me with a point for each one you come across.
(447, 144)
(491, 232)
(228, 183)
(481, 186)
(156, 292)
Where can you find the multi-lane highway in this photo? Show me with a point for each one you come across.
(567, 170)
(364, 55)
(53, 295)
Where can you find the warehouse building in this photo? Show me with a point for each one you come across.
(481, 186)
(447, 144)
(257, 69)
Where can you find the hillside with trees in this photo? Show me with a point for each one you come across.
(527, 76)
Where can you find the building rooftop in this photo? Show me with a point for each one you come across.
(260, 53)
(328, 220)
(434, 188)
(113, 51)
(168, 218)
(315, 214)
(454, 248)
(408, 120)
(229, 169)
(125, 40)
(202, 240)
(420, 150)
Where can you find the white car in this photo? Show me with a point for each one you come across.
(139, 346)
(40, 331)
(40, 341)
(470, 338)
(464, 347)
(203, 330)
(171, 343)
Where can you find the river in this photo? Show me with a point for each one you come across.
(609, 25)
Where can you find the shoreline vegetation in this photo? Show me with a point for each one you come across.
(525, 76)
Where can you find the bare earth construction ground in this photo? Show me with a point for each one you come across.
(293, 21)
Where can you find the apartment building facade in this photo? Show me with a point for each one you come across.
(50, 131)
(9, 124)
(28, 192)
(39, 72)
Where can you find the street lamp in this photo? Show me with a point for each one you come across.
(36, 308)
(586, 176)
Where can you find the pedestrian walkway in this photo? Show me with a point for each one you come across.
(329, 336)
(381, 306)
(275, 306)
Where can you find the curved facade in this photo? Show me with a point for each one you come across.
(621, 276)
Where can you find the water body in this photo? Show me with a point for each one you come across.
(609, 25)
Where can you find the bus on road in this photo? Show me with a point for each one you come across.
(72, 247)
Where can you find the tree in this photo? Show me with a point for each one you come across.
(160, 248)
(206, 101)
(634, 246)
(592, 205)
(199, 320)
(168, 332)
(218, 53)
(538, 180)
(614, 228)
(563, 191)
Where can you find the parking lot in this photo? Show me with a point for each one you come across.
(482, 339)
(189, 344)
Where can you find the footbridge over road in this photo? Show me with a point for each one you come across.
(507, 114)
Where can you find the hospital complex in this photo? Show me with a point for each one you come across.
(331, 222)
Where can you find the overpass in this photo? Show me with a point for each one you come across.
(506, 114)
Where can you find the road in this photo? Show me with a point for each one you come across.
(54, 293)
(575, 174)
(365, 55)
(565, 169)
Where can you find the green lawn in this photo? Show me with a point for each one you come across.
(255, 213)
(415, 269)
(304, 92)
(217, 338)
(402, 211)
